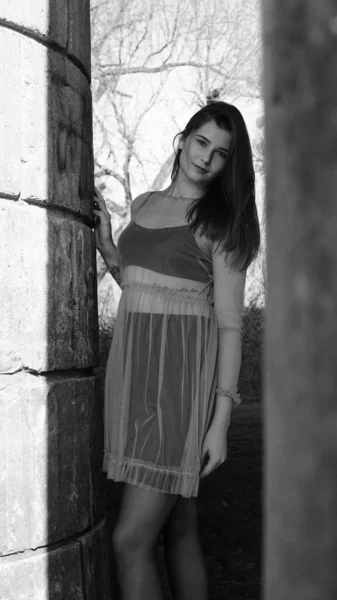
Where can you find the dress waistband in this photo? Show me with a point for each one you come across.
(155, 288)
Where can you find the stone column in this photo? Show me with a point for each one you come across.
(53, 542)
(300, 83)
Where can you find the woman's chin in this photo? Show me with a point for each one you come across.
(198, 178)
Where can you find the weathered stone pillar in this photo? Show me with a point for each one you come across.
(300, 79)
(53, 542)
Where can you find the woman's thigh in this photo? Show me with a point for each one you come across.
(141, 517)
(182, 520)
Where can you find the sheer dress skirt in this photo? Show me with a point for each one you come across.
(160, 384)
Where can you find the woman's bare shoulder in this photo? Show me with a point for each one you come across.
(138, 202)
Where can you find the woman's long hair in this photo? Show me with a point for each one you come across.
(227, 212)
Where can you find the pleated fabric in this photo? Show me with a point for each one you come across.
(161, 370)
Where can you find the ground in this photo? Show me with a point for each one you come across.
(230, 509)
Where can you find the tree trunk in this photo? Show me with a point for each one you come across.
(300, 81)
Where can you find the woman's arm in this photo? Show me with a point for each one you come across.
(228, 367)
(103, 237)
(229, 286)
(103, 234)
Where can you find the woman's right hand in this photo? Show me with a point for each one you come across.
(103, 234)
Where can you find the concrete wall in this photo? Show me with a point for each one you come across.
(300, 81)
(53, 542)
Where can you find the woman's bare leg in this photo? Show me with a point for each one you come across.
(184, 558)
(140, 521)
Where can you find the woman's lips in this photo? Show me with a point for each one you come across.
(201, 169)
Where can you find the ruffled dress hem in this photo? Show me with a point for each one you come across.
(151, 477)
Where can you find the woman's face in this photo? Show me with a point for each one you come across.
(204, 153)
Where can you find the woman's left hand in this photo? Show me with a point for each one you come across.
(214, 448)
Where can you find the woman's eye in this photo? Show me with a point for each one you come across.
(202, 142)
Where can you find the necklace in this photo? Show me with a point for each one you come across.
(180, 197)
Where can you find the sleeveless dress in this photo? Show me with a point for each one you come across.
(162, 367)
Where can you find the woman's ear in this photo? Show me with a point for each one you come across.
(181, 143)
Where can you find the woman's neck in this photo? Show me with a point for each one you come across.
(182, 189)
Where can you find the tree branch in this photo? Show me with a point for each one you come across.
(116, 70)
(112, 173)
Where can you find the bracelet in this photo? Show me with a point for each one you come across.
(116, 274)
(235, 397)
(114, 269)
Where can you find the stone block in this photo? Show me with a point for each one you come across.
(78, 570)
(10, 93)
(33, 138)
(46, 137)
(62, 22)
(79, 31)
(55, 131)
(48, 297)
(97, 560)
(72, 304)
(51, 452)
(54, 575)
(70, 150)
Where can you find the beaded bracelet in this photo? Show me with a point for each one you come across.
(114, 269)
(235, 397)
(116, 273)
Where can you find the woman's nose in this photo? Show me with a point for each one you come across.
(207, 157)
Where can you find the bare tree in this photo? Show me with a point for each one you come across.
(131, 40)
(136, 46)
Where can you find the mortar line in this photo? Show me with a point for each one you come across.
(47, 548)
(72, 373)
(57, 208)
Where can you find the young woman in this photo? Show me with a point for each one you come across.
(173, 368)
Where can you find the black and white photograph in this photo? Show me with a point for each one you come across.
(168, 300)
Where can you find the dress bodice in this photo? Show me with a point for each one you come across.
(170, 251)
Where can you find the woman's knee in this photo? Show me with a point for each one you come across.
(128, 540)
(141, 518)
(123, 542)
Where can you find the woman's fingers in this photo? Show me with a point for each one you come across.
(98, 194)
(210, 460)
(211, 465)
(205, 460)
(100, 203)
(207, 470)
